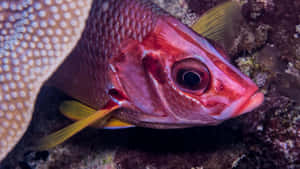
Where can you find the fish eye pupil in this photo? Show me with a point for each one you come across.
(189, 79)
(190, 76)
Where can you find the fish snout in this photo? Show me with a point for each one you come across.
(247, 103)
(250, 104)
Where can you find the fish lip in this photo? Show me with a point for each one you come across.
(241, 106)
(250, 104)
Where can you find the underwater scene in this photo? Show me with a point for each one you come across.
(149, 84)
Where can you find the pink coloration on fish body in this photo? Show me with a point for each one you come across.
(162, 74)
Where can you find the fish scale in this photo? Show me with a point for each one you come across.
(36, 36)
(126, 61)
(128, 46)
(109, 24)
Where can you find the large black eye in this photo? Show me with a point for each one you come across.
(191, 75)
(189, 79)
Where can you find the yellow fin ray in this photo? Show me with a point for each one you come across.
(77, 111)
(114, 123)
(67, 132)
(213, 23)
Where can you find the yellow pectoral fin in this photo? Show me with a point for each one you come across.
(114, 123)
(77, 111)
(67, 132)
(213, 23)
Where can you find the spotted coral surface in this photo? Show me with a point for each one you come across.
(35, 36)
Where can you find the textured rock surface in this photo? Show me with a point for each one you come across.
(266, 47)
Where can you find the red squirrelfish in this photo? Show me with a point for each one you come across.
(136, 63)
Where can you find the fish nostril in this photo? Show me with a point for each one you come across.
(219, 87)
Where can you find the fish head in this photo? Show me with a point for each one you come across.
(176, 77)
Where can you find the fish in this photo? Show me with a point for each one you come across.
(35, 37)
(137, 65)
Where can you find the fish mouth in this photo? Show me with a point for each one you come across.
(253, 102)
(242, 106)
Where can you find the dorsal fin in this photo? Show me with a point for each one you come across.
(213, 23)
